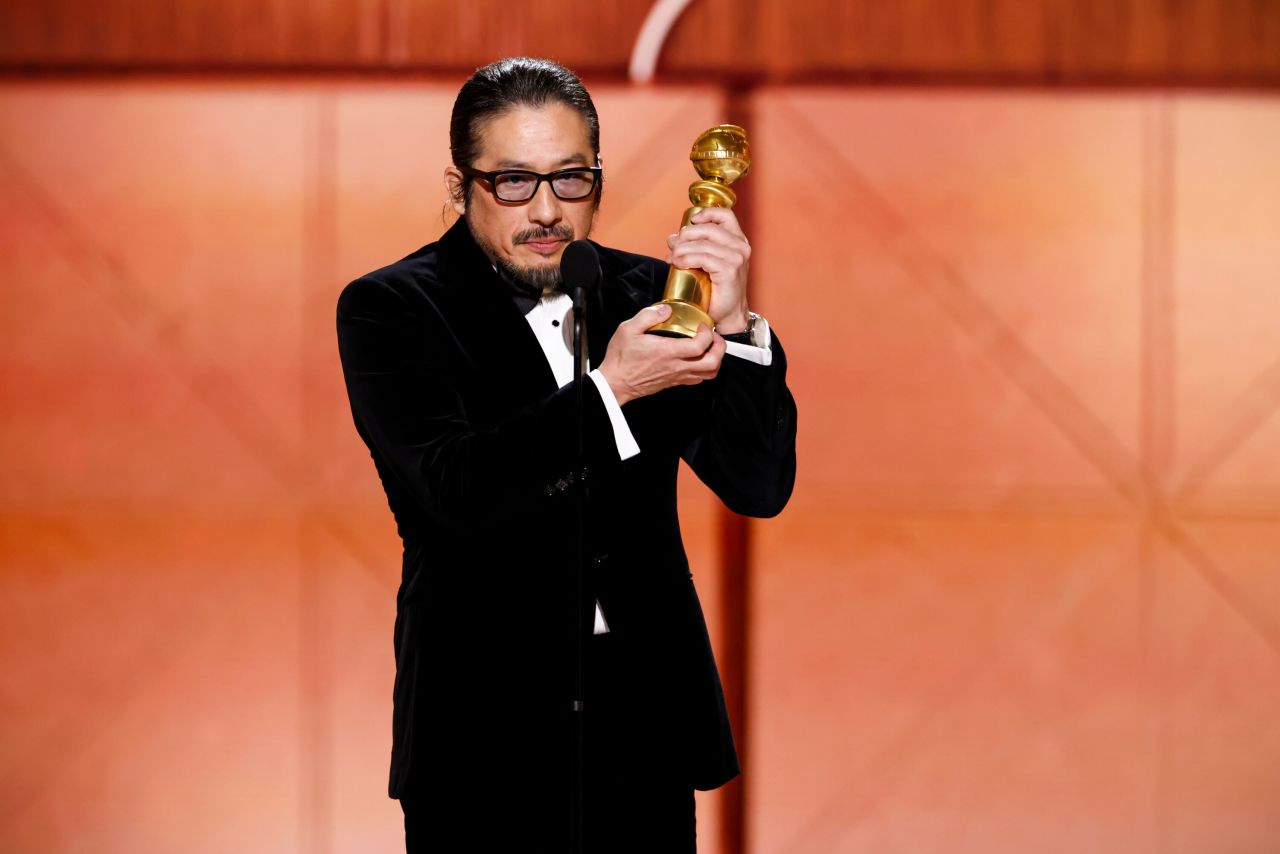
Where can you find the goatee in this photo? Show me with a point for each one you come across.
(542, 278)
(539, 277)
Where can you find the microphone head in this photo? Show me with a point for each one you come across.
(580, 267)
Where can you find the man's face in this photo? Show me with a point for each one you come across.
(528, 238)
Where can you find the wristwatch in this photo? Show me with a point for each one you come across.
(755, 335)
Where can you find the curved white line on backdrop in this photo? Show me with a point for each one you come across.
(653, 33)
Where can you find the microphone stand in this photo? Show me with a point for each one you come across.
(580, 274)
(580, 624)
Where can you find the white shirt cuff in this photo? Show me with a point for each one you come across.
(622, 438)
(758, 350)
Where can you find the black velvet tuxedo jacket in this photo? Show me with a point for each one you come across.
(474, 445)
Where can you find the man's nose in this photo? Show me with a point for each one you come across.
(544, 207)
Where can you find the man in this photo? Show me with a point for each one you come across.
(461, 385)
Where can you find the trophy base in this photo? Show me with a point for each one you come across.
(683, 322)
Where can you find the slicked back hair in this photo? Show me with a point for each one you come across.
(509, 83)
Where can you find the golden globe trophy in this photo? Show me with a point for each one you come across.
(720, 156)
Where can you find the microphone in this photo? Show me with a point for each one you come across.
(579, 271)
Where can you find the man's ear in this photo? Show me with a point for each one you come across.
(600, 188)
(453, 185)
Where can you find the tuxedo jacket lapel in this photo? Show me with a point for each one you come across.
(621, 294)
(487, 325)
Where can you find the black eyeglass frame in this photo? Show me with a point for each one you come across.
(596, 171)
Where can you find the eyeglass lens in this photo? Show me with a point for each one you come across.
(520, 186)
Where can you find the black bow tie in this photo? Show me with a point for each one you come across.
(526, 296)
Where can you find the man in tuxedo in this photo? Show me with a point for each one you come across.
(460, 380)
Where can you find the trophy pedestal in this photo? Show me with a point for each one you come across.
(683, 322)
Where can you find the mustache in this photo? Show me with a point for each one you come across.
(562, 231)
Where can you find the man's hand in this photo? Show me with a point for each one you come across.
(713, 241)
(636, 364)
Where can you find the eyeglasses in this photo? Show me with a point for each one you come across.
(519, 185)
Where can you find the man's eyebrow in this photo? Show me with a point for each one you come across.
(571, 160)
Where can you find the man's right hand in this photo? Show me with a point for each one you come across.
(637, 364)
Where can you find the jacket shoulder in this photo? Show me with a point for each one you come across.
(401, 283)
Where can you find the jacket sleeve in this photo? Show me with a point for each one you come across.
(746, 452)
(410, 412)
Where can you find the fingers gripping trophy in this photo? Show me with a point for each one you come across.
(720, 156)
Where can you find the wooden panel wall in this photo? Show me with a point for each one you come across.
(1091, 42)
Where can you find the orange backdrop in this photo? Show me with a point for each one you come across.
(1026, 596)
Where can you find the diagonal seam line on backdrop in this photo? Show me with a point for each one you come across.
(1220, 582)
(163, 334)
(1031, 374)
(928, 270)
(1064, 409)
(244, 421)
(103, 705)
(1245, 416)
(99, 267)
(821, 832)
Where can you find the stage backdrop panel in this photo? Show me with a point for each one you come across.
(198, 566)
(1026, 596)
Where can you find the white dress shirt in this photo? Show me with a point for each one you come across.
(552, 323)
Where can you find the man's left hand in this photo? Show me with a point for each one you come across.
(713, 241)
